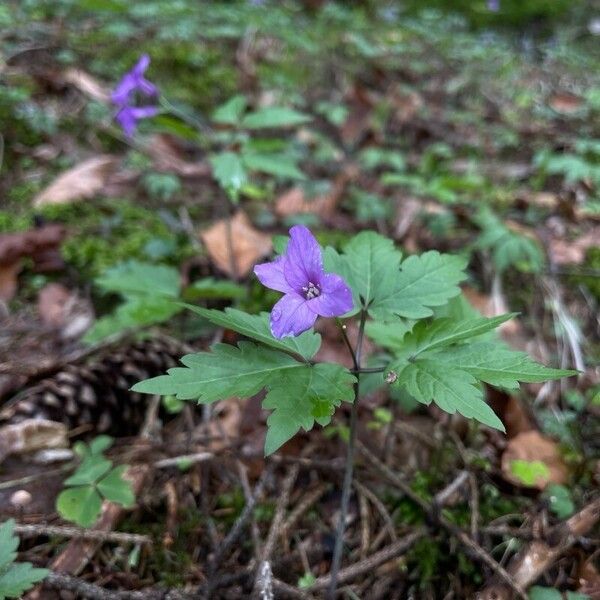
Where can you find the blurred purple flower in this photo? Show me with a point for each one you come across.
(128, 116)
(134, 81)
(493, 5)
(309, 291)
(124, 96)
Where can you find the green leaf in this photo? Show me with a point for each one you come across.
(134, 277)
(231, 112)
(116, 489)
(577, 596)
(537, 592)
(100, 444)
(257, 327)
(389, 334)
(90, 470)
(306, 580)
(304, 396)
(18, 578)
(274, 116)
(560, 500)
(15, 578)
(224, 372)
(229, 171)
(424, 281)
(209, 287)
(444, 332)
(81, 505)
(278, 165)
(451, 389)
(529, 472)
(369, 265)
(496, 364)
(8, 543)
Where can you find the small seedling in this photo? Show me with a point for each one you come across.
(94, 480)
(15, 578)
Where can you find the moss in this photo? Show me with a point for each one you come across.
(109, 232)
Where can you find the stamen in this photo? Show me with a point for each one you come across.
(311, 290)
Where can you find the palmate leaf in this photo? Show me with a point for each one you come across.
(15, 578)
(115, 488)
(369, 264)
(432, 363)
(452, 390)
(425, 336)
(300, 393)
(224, 372)
(424, 281)
(301, 397)
(8, 543)
(135, 277)
(257, 327)
(81, 504)
(498, 365)
(388, 288)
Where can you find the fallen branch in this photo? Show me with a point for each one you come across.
(118, 537)
(372, 562)
(537, 556)
(434, 514)
(83, 589)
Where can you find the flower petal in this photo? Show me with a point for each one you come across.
(142, 64)
(143, 112)
(271, 275)
(291, 316)
(122, 93)
(304, 261)
(127, 121)
(146, 87)
(335, 299)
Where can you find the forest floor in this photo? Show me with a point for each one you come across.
(479, 141)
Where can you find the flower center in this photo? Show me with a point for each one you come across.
(311, 290)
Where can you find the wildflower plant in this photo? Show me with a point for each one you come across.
(399, 302)
(132, 86)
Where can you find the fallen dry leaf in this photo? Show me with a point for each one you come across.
(86, 84)
(532, 446)
(572, 252)
(358, 121)
(51, 304)
(406, 103)
(8, 280)
(511, 410)
(168, 156)
(565, 103)
(82, 181)
(41, 244)
(295, 202)
(247, 243)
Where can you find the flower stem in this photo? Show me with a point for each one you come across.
(348, 472)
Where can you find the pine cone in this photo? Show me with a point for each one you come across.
(96, 392)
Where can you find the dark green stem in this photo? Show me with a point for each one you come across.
(349, 470)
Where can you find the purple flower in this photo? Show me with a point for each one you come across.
(124, 96)
(309, 291)
(134, 81)
(128, 116)
(493, 5)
